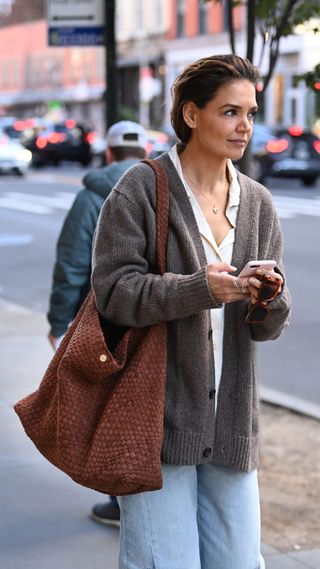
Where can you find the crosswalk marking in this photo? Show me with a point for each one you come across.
(38, 204)
(288, 207)
(53, 178)
(12, 203)
(59, 200)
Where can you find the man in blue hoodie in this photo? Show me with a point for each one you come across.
(126, 144)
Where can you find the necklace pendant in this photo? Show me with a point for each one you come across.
(215, 209)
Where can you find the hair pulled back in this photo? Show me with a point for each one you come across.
(200, 82)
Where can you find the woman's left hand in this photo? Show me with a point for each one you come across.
(254, 285)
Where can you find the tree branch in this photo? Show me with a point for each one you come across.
(251, 21)
(230, 25)
(285, 16)
(273, 56)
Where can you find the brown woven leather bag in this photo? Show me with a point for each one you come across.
(98, 412)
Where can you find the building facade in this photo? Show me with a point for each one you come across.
(36, 78)
(155, 40)
(198, 29)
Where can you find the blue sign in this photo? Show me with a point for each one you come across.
(76, 36)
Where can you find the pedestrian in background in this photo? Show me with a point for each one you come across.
(126, 144)
(207, 514)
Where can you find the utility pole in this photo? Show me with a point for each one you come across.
(111, 97)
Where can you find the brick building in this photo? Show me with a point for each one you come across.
(155, 40)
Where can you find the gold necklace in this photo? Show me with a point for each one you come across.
(214, 208)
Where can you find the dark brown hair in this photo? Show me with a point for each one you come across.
(123, 152)
(200, 81)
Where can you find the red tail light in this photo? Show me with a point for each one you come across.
(90, 137)
(277, 146)
(54, 137)
(316, 145)
(19, 125)
(295, 130)
(70, 123)
(41, 142)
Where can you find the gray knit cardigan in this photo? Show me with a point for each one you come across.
(128, 292)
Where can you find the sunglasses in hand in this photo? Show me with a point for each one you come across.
(267, 292)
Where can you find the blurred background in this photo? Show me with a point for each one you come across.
(68, 70)
(65, 76)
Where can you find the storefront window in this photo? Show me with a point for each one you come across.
(203, 17)
(181, 8)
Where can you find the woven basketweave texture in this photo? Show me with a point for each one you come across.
(98, 415)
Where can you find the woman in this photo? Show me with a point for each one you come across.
(207, 513)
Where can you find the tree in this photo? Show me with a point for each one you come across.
(271, 20)
(312, 79)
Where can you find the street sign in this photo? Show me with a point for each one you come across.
(75, 22)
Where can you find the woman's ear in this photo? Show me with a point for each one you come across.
(189, 112)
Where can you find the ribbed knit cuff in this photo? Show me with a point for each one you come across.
(195, 290)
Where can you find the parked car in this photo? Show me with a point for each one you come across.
(57, 142)
(289, 153)
(14, 158)
(261, 136)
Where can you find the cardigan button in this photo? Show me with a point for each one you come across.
(103, 358)
(207, 451)
(212, 393)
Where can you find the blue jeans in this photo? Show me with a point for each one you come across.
(204, 517)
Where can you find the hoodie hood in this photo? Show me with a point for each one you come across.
(102, 180)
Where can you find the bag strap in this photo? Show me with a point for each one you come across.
(162, 212)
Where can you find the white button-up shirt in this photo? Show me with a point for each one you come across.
(214, 253)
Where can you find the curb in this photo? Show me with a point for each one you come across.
(276, 397)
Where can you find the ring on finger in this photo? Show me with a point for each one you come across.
(235, 283)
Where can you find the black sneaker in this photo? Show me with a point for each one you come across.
(107, 514)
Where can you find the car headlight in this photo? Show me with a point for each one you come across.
(24, 155)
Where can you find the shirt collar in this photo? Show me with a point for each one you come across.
(234, 188)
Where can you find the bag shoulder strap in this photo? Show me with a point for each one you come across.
(162, 212)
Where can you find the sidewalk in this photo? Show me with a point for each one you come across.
(45, 520)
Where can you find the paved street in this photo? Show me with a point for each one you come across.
(45, 520)
(31, 214)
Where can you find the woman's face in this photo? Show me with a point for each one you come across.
(224, 126)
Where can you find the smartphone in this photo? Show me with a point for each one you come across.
(250, 268)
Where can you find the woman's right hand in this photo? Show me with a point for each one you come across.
(224, 287)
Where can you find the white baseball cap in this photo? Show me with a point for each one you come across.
(127, 133)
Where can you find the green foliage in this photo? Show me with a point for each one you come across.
(269, 13)
(312, 78)
(272, 20)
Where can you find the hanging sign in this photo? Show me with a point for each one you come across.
(75, 22)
